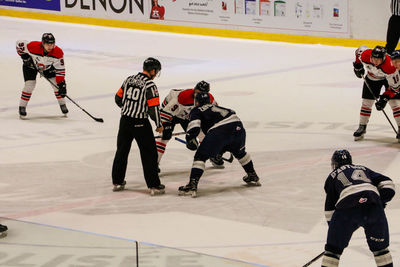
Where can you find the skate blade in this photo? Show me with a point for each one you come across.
(358, 138)
(22, 117)
(117, 189)
(154, 192)
(253, 184)
(188, 193)
(218, 166)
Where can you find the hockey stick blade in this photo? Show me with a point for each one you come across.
(311, 261)
(55, 85)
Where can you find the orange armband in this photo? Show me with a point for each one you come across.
(153, 102)
(120, 92)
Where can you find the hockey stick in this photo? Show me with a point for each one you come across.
(174, 134)
(230, 159)
(376, 99)
(70, 99)
(311, 261)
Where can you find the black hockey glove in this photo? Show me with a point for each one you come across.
(27, 61)
(49, 73)
(358, 69)
(192, 144)
(62, 89)
(167, 133)
(381, 103)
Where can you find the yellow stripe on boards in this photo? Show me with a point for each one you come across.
(193, 30)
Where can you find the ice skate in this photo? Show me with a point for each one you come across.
(3, 230)
(119, 187)
(158, 190)
(22, 112)
(217, 162)
(64, 109)
(189, 189)
(252, 179)
(359, 133)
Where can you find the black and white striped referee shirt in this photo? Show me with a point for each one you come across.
(138, 98)
(395, 7)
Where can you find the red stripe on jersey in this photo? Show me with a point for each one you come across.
(396, 109)
(26, 93)
(365, 114)
(24, 98)
(366, 108)
(161, 151)
(166, 116)
(161, 144)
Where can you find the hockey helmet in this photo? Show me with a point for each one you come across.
(202, 98)
(378, 52)
(395, 54)
(203, 87)
(151, 64)
(48, 38)
(341, 157)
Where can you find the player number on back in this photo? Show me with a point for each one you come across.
(360, 175)
(133, 93)
(219, 110)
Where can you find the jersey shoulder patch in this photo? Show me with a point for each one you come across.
(186, 97)
(366, 56)
(57, 53)
(387, 66)
(35, 47)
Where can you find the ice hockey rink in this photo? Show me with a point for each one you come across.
(298, 103)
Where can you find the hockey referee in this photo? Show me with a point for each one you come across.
(138, 98)
(393, 31)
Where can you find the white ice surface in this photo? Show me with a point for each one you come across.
(298, 103)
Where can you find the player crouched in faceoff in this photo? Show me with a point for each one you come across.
(380, 72)
(224, 132)
(356, 196)
(175, 109)
(46, 57)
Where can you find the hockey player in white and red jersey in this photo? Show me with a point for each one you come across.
(48, 58)
(175, 109)
(380, 72)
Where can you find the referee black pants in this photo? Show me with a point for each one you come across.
(141, 131)
(393, 33)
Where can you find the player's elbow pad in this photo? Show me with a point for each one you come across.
(386, 194)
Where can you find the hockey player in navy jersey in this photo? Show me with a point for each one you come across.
(48, 58)
(224, 132)
(380, 73)
(356, 197)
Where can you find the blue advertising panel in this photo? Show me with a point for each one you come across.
(38, 4)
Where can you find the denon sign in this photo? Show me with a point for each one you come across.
(116, 6)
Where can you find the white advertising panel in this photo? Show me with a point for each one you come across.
(298, 15)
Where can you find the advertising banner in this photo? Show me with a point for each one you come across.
(298, 15)
(36, 4)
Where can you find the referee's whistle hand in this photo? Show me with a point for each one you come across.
(160, 129)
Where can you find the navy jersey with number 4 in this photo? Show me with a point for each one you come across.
(208, 117)
(353, 185)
